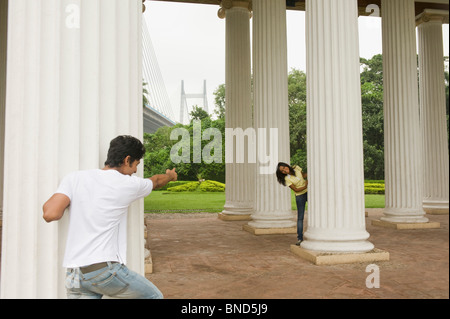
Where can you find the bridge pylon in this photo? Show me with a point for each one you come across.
(184, 97)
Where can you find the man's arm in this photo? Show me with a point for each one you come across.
(54, 208)
(162, 179)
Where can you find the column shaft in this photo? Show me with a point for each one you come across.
(273, 201)
(74, 82)
(240, 177)
(402, 145)
(432, 117)
(336, 217)
(3, 42)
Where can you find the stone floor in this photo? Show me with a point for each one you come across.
(198, 256)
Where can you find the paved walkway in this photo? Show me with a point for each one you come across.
(198, 256)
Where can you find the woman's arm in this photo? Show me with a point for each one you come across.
(300, 189)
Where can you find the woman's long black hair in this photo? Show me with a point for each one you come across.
(280, 176)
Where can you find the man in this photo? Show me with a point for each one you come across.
(98, 202)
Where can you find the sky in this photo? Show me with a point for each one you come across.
(189, 43)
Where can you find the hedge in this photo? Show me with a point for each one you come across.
(374, 188)
(172, 184)
(187, 187)
(212, 186)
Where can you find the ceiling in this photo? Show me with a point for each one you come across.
(300, 4)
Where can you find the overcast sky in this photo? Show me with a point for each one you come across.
(189, 42)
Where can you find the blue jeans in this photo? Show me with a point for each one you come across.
(115, 280)
(301, 203)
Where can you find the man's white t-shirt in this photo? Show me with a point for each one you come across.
(99, 201)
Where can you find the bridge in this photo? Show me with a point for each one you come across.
(157, 109)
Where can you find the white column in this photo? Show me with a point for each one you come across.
(3, 41)
(240, 175)
(336, 216)
(273, 201)
(74, 82)
(402, 142)
(432, 112)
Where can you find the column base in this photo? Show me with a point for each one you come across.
(397, 225)
(234, 217)
(404, 216)
(234, 212)
(436, 211)
(321, 258)
(337, 247)
(277, 221)
(270, 231)
(435, 207)
(148, 262)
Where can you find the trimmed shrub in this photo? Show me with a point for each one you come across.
(187, 187)
(212, 186)
(172, 184)
(374, 188)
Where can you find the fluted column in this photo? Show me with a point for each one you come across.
(432, 112)
(239, 173)
(336, 217)
(273, 201)
(3, 41)
(74, 83)
(402, 144)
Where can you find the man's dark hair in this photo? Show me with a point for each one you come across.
(121, 147)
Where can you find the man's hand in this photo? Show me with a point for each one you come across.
(162, 179)
(172, 174)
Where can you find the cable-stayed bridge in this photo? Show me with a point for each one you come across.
(157, 109)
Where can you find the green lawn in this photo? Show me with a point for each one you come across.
(184, 201)
(374, 201)
(161, 201)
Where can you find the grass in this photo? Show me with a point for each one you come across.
(371, 201)
(171, 202)
(374, 201)
(176, 202)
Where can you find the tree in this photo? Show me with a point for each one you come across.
(372, 116)
(159, 145)
(297, 116)
(145, 100)
(198, 113)
(219, 99)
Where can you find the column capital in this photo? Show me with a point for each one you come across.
(229, 4)
(432, 15)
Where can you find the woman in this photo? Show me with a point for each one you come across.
(295, 178)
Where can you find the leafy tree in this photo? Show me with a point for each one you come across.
(372, 116)
(198, 113)
(297, 117)
(159, 145)
(145, 100)
(219, 99)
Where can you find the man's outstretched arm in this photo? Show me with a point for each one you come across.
(162, 179)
